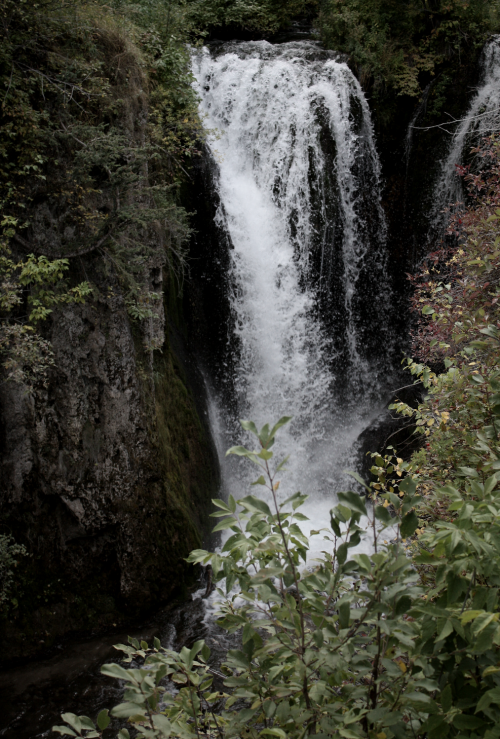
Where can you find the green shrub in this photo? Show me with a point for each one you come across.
(349, 645)
(98, 123)
(392, 43)
(9, 552)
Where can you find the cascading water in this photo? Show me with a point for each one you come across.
(298, 179)
(482, 118)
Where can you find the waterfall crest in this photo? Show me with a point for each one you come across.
(298, 178)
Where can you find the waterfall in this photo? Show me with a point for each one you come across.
(298, 182)
(482, 117)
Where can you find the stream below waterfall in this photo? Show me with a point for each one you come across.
(297, 176)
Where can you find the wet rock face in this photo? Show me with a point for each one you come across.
(84, 482)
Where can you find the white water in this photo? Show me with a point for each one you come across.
(273, 106)
(482, 118)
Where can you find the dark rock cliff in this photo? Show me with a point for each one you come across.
(106, 476)
(106, 469)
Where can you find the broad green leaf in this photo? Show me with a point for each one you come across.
(249, 426)
(87, 723)
(491, 670)
(456, 585)
(446, 698)
(260, 481)
(469, 723)
(482, 621)
(403, 605)
(468, 472)
(197, 647)
(162, 723)
(128, 709)
(408, 485)
(409, 524)
(354, 501)
(264, 438)
(342, 553)
(265, 454)
(422, 700)
(490, 484)
(344, 615)
(251, 503)
(241, 451)
(293, 498)
(282, 422)
(491, 696)
(274, 732)
(221, 504)
(382, 514)
(73, 721)
(103, 719)
(64, 730)
(226, 523)
(445, 631)
(491, 331)
(199, 555)
(364, 561)
(238, 659)
(334, 524)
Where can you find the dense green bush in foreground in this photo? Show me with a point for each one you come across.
(350, 645)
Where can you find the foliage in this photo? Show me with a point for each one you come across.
(97, 123)
(26, 356)
(349, 645)
(9, 552)
(263, 16)
(457, 294)
(394, 43)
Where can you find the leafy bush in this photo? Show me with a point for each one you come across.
(392, 43)
(349, 645)
(9, 552)
(97, 125)
(457, 294)
(264, 16)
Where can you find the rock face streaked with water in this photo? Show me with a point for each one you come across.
(482, 118)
